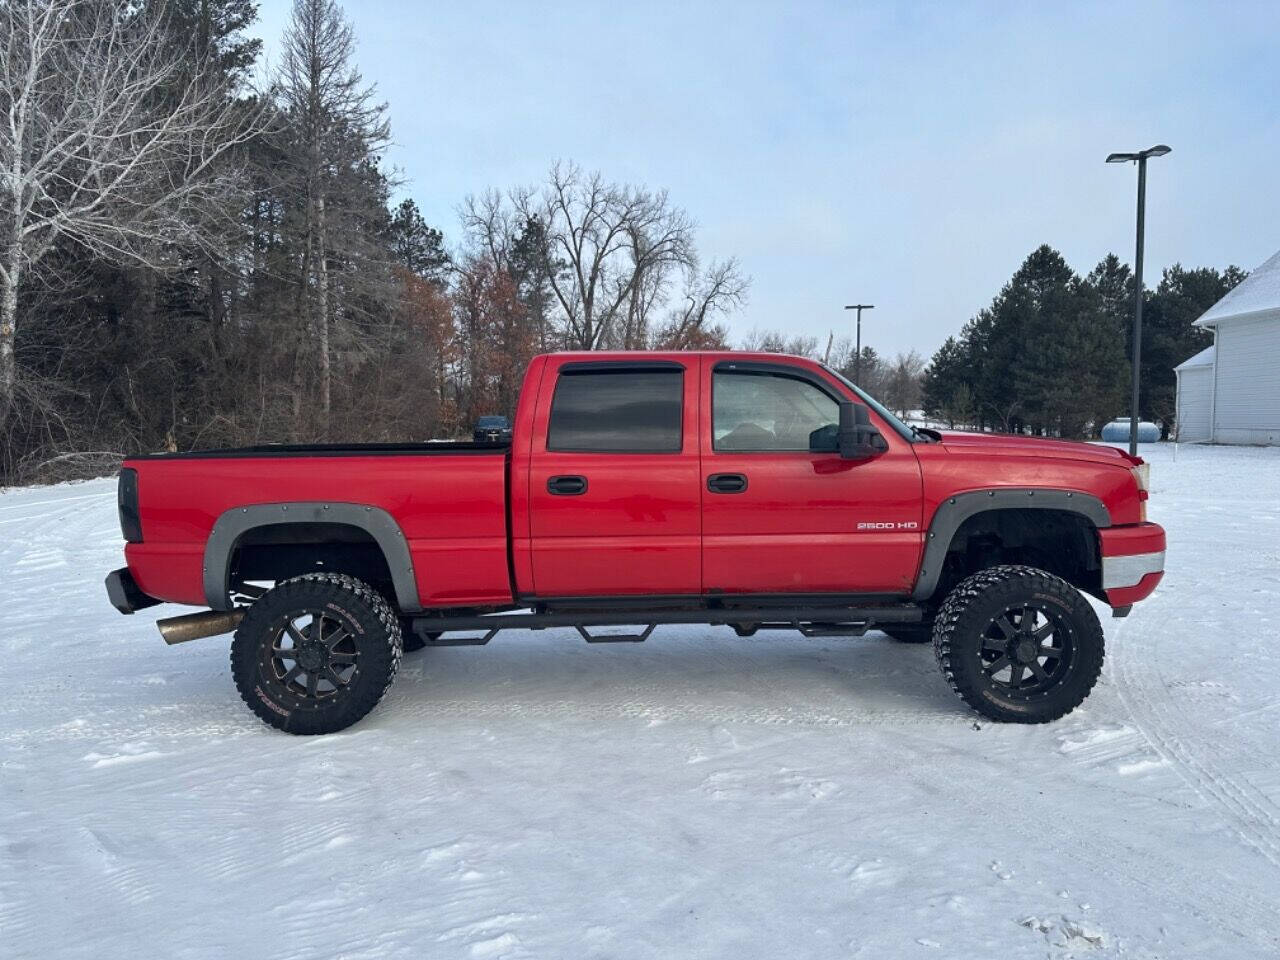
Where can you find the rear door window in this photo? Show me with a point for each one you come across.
(617, 411)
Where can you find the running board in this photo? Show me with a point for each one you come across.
(810, 621)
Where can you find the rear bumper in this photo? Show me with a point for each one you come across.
(125, 594)
(1132, 562)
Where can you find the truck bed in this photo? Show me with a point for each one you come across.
(449, 500)
(429, 448)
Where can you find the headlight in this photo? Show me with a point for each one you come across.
(1142, 476)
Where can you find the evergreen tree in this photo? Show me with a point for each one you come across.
(532, 266)
(1044, 356)
(1169, 335)
(417, 247)
(947, 387)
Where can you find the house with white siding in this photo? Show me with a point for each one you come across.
(1230, 392)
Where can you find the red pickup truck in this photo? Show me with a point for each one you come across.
(748, 490)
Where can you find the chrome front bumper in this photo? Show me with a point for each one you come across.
(1128, 571)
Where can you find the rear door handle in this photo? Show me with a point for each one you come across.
(567, 486)
(727, 482)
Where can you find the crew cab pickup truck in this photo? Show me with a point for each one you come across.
(753, 491)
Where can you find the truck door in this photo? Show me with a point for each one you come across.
(613, 495)
(778, 517)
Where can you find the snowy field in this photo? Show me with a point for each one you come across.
(695, 796)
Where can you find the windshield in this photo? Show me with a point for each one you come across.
(499, 422)
(904, 431)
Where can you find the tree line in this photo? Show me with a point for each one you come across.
(193, 256)
(1052, 354)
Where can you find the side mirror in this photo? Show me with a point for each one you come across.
(857, 438)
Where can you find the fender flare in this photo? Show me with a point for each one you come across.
(232, 524)
(956, 509)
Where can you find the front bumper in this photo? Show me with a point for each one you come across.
(125, 594)
(1132, 562)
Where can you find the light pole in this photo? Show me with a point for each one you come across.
(857, 357)
(1159, 150)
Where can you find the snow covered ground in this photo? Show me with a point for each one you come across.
(698, 795)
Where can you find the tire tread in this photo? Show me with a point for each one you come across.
(946, 639)
(244, 649)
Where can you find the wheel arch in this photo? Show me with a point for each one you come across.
(956, 510)
(234, 525)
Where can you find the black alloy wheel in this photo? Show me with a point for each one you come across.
(311, 658)
(1027, 648)
(1019, 644)
(316, 653)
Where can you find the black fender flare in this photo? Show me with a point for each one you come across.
(232, 524)
(956, 509)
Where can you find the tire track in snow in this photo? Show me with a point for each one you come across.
(1179, 741)
(686, 712)
(1175, 886)
(40, 522)
(5, 508)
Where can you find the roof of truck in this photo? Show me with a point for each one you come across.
(599, 355)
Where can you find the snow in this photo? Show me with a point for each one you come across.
(695, 796)
(1258, 291)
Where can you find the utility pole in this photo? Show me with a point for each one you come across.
(857, 357)
(1141, 159)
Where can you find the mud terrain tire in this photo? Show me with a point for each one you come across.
(1019, 645)
(352, 654)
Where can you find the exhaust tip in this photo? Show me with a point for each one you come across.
(194, 626)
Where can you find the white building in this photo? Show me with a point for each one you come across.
(1230, 392)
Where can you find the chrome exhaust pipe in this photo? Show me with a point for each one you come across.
(193, 626)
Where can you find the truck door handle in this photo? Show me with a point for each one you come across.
(567, 486)
(727, 482)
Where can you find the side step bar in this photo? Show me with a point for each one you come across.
(811, 621)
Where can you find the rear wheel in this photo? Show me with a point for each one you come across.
(316, 653)
(1019, 644)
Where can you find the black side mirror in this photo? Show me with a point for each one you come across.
(857, 438)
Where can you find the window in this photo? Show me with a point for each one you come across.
(763, 411)
(617, 411)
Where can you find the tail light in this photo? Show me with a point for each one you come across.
(127, 498)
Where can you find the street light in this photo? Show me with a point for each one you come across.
(1159, 150)
(857, 357)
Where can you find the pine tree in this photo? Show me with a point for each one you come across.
(947, 386)
(532, 265)
(336, 134)
(418, 247)
(1169, 335)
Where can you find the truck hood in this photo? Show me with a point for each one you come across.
(1003, 444)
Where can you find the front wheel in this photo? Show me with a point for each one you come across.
(1019, 644)
(316, 653)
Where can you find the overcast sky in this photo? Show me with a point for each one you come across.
(906, 155)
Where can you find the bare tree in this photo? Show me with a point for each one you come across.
(707, 297)
(340, 124)
(108, 140)
(774, 341)
(613, 240)
(490, 225)
(901, 387)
